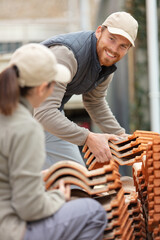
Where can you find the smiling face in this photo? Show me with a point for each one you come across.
(110, 47)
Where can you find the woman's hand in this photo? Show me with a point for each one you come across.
(65, 189)
(44, 172)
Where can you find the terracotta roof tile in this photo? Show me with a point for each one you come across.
(132, 205)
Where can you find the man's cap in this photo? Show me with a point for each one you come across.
(123, 24)
(37, 64)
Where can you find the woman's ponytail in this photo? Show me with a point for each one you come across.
(9, 90)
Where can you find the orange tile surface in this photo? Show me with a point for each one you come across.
(132, 204)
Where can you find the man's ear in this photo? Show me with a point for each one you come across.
(98, 32)
(42, 88)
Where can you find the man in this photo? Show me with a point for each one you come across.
(90, 57)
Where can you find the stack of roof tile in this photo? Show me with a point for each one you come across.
(125, 151)
(147, 181)
(119, 223)
(141, 188)
(152, 180)
(141, 151)
(132, 204)
(104, 185)
(93, 182)
(134, 208)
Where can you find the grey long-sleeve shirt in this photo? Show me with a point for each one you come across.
(22, 194)
(95, 103)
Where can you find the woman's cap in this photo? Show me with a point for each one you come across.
(37, 64)
(122, 23)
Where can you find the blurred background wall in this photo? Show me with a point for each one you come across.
(36, 20)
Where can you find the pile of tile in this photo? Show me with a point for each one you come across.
(93, 182)
(142, 151)
(125, 151)
(141, 188)
(147, 181)
(119, 223)
(134, 208)
(104, 185)
(132, 204)
(152, 173)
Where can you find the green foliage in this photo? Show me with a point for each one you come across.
(138, 10)
(139, 109)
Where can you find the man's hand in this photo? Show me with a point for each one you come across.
(65, 189)
(98, 145)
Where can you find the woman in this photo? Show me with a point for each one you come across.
(27, 211)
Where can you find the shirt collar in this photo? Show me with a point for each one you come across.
(26, 104)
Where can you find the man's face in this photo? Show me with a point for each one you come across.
(110, 47)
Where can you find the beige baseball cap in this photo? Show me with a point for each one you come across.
(122, 23)
(37, 64)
